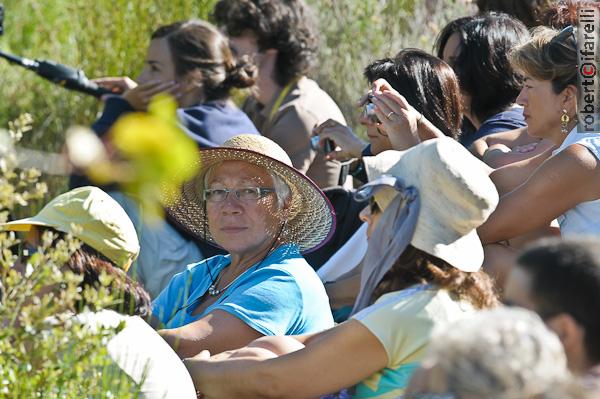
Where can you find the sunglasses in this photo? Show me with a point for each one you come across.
(368, 190)
(562, 36)
(373, 207)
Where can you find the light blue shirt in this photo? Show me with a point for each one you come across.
(281, 295)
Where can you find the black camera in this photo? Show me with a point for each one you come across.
(327, 147)
(369, 110)
(1, 19)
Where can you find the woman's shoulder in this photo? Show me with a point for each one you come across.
(287, 265)
(406, 301)
(216, 111)
(210, 124)
(591, 141)
(212, 263)
(286, 259)
(419, 301)
(579, 156)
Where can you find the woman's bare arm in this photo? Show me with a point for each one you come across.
(216, 332)
(498, 155)
(511, 176)
(348, 353)
(559, 184)
(508, 138)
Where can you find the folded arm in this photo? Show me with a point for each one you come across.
(216, 332)
(348, 353)
(559, 184)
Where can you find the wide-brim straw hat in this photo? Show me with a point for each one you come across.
(92, 216)
(311, 218)
(456, 193)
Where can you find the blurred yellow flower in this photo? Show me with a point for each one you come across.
(159, 154)
(153, 154)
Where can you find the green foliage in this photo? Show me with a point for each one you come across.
(44, 352)
(103, 38)
(356, 33)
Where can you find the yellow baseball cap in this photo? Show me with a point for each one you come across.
(92, 216)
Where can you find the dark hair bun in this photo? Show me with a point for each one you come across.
(241, 75)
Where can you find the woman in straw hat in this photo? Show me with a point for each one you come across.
(108, 246)
(250, 201)
(192, 61)
(421, 271)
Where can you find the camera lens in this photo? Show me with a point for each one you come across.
(314, 143)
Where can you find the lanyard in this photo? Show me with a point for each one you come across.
(280, 99)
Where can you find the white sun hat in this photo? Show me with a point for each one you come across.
(456, 196)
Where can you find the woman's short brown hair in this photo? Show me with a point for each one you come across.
(549, 55)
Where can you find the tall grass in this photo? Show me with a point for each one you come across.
(109, 37)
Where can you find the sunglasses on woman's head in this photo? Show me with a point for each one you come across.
(562, 36)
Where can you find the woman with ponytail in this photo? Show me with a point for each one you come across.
(190, 60)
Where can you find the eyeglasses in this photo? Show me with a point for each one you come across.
(242, 194)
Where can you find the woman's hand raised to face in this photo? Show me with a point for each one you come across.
(398, 118)
(117, 85)
(346, 144)
(139, 97)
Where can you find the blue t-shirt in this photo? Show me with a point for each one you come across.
(281, 295)
(503, 121)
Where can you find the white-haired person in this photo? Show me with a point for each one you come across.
(192, 61)
(421, 271)
(249, 200)
(505, 353)
(109, 244)
(559, 279)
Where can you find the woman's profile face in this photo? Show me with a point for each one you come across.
(159, 65)
(542, 107)
(371, 215)
(242, 226)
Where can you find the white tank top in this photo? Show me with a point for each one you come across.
(584, 218)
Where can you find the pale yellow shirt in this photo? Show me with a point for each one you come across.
(403, 321)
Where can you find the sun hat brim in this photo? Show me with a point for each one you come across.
(311, 221)
(456, 193)
(25, 224)
(465, 253)
(93, 217)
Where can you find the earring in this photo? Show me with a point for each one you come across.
(564, 122)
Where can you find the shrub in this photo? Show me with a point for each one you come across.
(44, 352)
